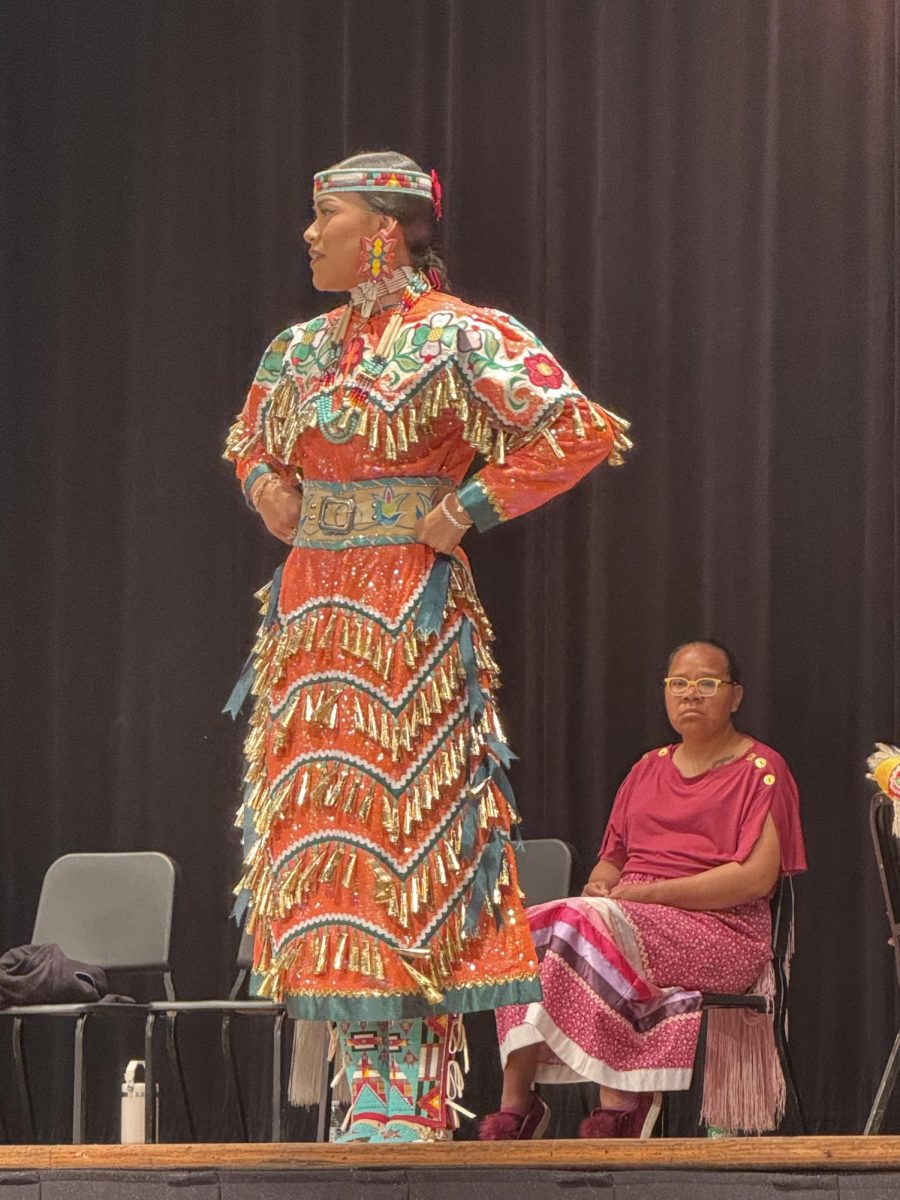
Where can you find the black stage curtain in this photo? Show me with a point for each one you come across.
(693, 202)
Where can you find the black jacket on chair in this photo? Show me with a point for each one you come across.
(44, 975)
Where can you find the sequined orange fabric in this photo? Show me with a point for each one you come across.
(372, 831)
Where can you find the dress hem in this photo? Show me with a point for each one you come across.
(413, 1004)
(574, 1066)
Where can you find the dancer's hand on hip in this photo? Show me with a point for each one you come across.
(442, 529)
(279, 508)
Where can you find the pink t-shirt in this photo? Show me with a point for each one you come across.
(666, 825)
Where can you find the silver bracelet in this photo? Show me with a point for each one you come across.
(449, 515)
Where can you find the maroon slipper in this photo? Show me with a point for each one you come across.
(634, 1122)
(506, 1126)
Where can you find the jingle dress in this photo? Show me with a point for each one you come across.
(378, 867)
(622, 978)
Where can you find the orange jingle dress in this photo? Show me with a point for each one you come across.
(379, 873)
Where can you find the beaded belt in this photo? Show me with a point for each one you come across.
(366, 512)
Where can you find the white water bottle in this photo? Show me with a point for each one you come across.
(132, 1104)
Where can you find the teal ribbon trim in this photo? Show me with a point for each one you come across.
(476, 697)
(248, 841)
(313, 542)
(488, 769)
(241, 689)
(485, 880)
(492, 767)
(412, 1004)
(500, 750)
(433, 601)
(235, 703)
(474, 499)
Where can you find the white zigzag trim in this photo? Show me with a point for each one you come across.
(385, 935)
(337, 919)
(365, 843)
(364, 765)
(383, 696)
(332, 601)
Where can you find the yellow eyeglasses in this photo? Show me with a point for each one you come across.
(707, 686)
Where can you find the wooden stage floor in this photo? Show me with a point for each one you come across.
(770, 1154)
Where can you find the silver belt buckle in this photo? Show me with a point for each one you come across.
(336, 514)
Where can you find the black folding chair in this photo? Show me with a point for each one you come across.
(545, 868)
(887, 855)
(782, 920)
(233, 1006)
(110, 910)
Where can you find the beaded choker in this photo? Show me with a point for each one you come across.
(339, 425)
(366, 295)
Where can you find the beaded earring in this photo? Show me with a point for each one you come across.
(376, 257)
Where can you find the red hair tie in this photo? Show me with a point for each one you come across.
(437, 193)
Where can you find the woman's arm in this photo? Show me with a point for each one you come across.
(542, 434)
(255, 443)
(525, 414)
(720, 887)
(604, 878)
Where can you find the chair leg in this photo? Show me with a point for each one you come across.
(277, 1099)
(699, 1072)
(231, 1066)
(151, 1133)
(25, 1102)
(323, 1125)
(178, 1071)
(78, 1083)
(779, 1032)
(662, 1123)
(787, 1070)
(885, 1088)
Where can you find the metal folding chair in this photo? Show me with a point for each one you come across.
(231, 1007)
(110, 910)
(887, 855)
(545, 869)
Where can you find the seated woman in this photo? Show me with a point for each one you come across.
(678, 903)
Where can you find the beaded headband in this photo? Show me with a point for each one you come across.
(353, 179)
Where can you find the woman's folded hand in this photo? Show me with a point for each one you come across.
(595, 888)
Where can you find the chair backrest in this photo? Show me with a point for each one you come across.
(545, 869)
(887, 854)
(782, 908)
(245, 950)
(111, 910)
